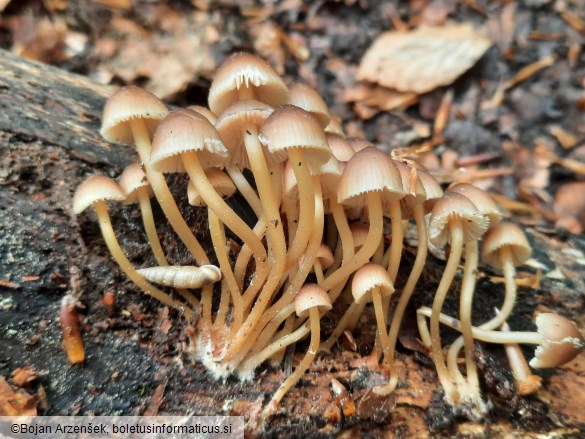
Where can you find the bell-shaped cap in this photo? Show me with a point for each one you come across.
(96, 188)
(369, 278)
(562, 341)
(131, 180)
(185, 131)
(505, 234)
(246, 71)
(311, 296)
(126, 104)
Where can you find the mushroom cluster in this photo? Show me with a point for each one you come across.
(320, 202)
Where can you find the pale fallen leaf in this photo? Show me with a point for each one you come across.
(423, 59)
(569, 206)
(370, 99)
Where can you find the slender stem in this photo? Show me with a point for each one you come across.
(126, 265)
(163, 194)
(305, 363)
(245, 189)
(306, 205)
(353, 310)
(448, 275)
(226, 214)
(381, 321)
(370, 245)
(465, 310)
(486, 335)
(218, 239)
(417, 268)
(149, 226)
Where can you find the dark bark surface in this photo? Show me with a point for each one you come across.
(50, 142)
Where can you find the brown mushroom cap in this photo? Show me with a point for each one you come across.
(325, 256)
(505, 234)
(126, 104)
(454, 205)
(432, 188)
(368, 278)
(96, 188)
(357, 143)
(132, 179)
(231, 126)
(340, 148)
(311, 296)
(305, 97)
(359, 232)
(369, 170)
(562, 341)
(335, 128)
(482, 201)
(243, 70)
(185, 131)
(292, 127)
(205, 112)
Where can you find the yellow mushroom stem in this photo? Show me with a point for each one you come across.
(225, 213)
(126, 266)
(417, 268)
(218, 239)
(306, 205)
(275, 236)
(456, 230)
(163, 194)
(315, 323)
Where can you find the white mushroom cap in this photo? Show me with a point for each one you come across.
(482, 201)
(562, 341)
(305, 97)
(311, 296)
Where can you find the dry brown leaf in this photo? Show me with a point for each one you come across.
(15, 403)
(371, 99)
(569, 206)
(566, 139)
(424, 59)
(24, 375)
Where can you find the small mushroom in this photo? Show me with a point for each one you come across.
(311, 300)
(96, 190)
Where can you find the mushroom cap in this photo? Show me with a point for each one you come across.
(357, 143)
(413, 187)
(453, 205)
(292, 127)
(96, 188)
(340, 148)
(231, 127)
(221, 182)
(369, 170)
(505, 234)
(311, 296)
(562, 341)
(431, 186)
(307, 98)
(325, 256)
(359, 233)
(482, 201)
(132, 179)
(126, 104)
(335, 128)
(369, 278)
(185, 131)
(330, 173)
(243, 70)
(205, 112)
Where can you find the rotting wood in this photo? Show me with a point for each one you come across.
(44, 110)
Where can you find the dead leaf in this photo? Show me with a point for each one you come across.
(15, 402)
(371, 99)
(424, 59)
(24, 375)
(569, 206)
